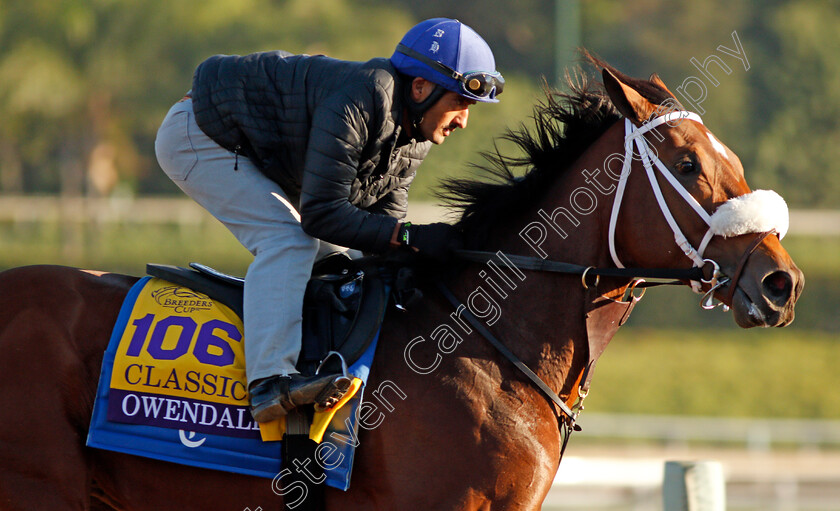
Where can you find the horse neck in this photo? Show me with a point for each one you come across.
(543, 320)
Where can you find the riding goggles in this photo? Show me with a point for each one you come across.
(476, 83)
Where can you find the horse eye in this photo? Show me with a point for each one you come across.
(685, 166)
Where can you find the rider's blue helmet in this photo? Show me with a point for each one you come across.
(450, 54)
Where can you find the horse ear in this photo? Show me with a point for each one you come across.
(658, 81)
(630, 103)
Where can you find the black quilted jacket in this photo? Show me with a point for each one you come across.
(327, 131)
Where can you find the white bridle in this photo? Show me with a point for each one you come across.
(756, 212)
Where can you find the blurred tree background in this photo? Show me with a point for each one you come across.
(85, 83)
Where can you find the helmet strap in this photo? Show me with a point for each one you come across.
(416, 110)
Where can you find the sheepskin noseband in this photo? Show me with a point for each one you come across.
(759, 211)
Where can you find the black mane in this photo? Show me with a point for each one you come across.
(565, 124)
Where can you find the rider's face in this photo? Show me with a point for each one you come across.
(450, 112)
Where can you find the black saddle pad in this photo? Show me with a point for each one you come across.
(343, 306)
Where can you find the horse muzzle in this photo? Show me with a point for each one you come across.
(767, 292)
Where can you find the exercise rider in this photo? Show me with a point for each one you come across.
(295, 152)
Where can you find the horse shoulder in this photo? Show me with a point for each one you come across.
(476, 442)
(519, 433)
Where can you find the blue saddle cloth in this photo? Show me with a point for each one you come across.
(234, 448)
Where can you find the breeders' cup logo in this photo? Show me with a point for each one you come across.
(181, 299)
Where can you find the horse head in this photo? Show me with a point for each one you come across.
(624, 176)
(690, 195)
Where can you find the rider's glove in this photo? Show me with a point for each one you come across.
(436, 241)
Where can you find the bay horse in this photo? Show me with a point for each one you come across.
(465, 431)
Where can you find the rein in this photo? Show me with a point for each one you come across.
(551, 266)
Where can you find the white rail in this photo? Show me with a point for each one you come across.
(184, 211)
(618, 462)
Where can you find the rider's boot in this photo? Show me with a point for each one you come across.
(274, 397)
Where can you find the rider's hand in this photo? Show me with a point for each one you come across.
(437, 240)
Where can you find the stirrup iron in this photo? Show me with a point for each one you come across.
(344, 371)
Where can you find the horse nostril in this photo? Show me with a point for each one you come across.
(777, 287)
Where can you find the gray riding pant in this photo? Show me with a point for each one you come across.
(260, 215)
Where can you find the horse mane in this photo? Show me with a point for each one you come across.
(565, 124)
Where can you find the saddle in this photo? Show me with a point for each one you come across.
(344, 304)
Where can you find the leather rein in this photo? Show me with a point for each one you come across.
(568, 423)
